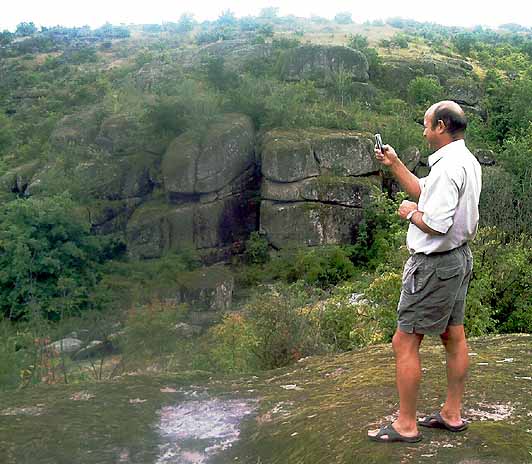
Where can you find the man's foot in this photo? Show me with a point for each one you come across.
(436, 421)
(389, 434)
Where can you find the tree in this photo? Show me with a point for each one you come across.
(344, 17)
(25, 29)
(358, 42)
(227, 19)
(424, 91)
(6, 37)
(269, 13)
(44, 243)
(186, 23)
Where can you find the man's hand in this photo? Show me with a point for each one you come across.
(388, 157)
(406, 207)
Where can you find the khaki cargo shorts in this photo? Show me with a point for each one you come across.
(433, 291)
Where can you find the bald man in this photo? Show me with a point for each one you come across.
(443, 219)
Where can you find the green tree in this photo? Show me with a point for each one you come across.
(24, 29)
(47, 258)
(343, 17)
(424, 91)
(186, 23)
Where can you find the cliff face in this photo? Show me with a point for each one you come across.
(209, 192)
(317, 411)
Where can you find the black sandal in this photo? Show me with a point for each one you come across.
(393, 436)
(436, 421)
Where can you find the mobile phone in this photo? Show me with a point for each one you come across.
(378, 142)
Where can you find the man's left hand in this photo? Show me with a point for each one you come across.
(406, 207)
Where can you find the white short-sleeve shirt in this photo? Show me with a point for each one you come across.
(449, 200)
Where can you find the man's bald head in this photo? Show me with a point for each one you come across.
(452, 116)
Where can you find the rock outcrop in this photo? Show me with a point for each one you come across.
(211, 193)
(315, 184)
(320, 62)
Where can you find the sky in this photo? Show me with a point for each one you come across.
(94, 13)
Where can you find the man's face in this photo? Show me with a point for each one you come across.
(432, 135)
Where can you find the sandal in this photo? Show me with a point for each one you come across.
(436, 421)
(393, 436)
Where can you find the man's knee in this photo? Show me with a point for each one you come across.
(404, 343)
(454, 338)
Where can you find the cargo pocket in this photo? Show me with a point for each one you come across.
(415, 278)
(446, 273)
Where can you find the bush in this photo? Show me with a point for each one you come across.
(256, 250)
(424, 91)
(150, 334)
(322, 266)
(47, 258)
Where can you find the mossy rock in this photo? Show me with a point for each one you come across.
(108, 216)
(191, 166)
(320, 62)
(157, 227)
(346, 191)
(294, 225)
(317, 410)
(293, 155)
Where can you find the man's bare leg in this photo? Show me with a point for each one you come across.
(457, 363)
(408, 376)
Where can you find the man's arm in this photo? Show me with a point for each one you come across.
(417, 220)
(409, 182)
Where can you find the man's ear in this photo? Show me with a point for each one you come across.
(440, 127)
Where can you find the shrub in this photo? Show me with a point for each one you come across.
(281, 331)
(150, 333)
(424, 91)
(322, 266)
(256, 251)
(47, 258)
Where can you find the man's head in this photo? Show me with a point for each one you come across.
(444, 123)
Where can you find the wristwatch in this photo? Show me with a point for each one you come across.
(410, 214)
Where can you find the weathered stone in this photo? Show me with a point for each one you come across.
(66, 345)
(289, 156)
(464, 91)
(227, 152)
(107, 216)
(347, 191)
(320, 63)
(190, 167)
(156, 227)
(93, 349)
(344, 153)
(290, 225)
(126, 134)
(485, 157)
(237, 54)
(410, 157)
(225, 221)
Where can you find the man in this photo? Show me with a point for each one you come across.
(443, 219)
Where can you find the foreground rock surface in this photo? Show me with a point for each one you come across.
(317, 411)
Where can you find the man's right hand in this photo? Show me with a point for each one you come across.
(388, 157)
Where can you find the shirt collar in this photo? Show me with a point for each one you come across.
(438, 154)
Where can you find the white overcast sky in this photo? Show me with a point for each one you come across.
(97, 12)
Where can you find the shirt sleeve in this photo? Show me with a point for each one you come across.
(441, 193)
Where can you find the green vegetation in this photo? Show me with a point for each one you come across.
(60, 84)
